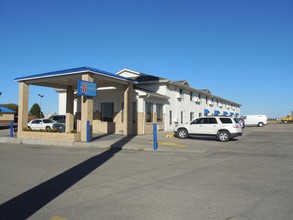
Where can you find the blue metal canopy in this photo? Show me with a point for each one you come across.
(5, 110)
(71, 72)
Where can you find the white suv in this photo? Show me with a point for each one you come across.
(222, 127)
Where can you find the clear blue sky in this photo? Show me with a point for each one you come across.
(241, 50)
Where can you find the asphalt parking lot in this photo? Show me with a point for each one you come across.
(248, 178)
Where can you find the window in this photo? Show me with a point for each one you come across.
(226, 120)
(107, 111)
(159, 113)
(206, 100)
(170, 117)
(200, 114)
(191, 116)
(148, 112)
(48, 121)
(209, 121)
(181, 91)
(190, 96)
(181, 117)
(198, 121)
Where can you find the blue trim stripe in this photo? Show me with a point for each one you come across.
(71, 71)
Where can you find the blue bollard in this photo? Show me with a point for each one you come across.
(11, 129)
(88, 130)
(155, 136)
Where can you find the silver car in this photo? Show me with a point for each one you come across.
(43, 124)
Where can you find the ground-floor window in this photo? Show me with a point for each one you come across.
(170, 117)
(191, 116)
(159, 113)
(181, 121)
(107, 111)
(148, 112)
(199, 114)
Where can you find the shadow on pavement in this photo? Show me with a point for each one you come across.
(29, 202)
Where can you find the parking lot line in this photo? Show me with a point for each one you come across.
(170, 144)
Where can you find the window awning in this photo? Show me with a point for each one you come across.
(206, 111)
(225, 113)
(217, 112)
(237, 114)
(231, 113)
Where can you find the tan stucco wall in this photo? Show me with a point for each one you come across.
(117, 126)
(71, 137)
(6, 117)
(108, 127)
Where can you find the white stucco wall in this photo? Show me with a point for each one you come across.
(175, 103)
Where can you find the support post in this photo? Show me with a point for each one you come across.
(128, 102)
(86, 110)
(69, 109)
(23, 93)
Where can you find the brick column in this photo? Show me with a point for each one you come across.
(23, 93)
(128, 102)
(87, 109)
(69, 109)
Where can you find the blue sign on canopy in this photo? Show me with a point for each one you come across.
(86, 88)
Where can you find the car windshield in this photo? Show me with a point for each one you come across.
(48, 120)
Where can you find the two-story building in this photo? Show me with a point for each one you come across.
(154, 99)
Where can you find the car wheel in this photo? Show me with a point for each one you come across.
(182, 133)
(223, 136)
(48, 128)
(260, 124)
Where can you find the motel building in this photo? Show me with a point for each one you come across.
(127, 103)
